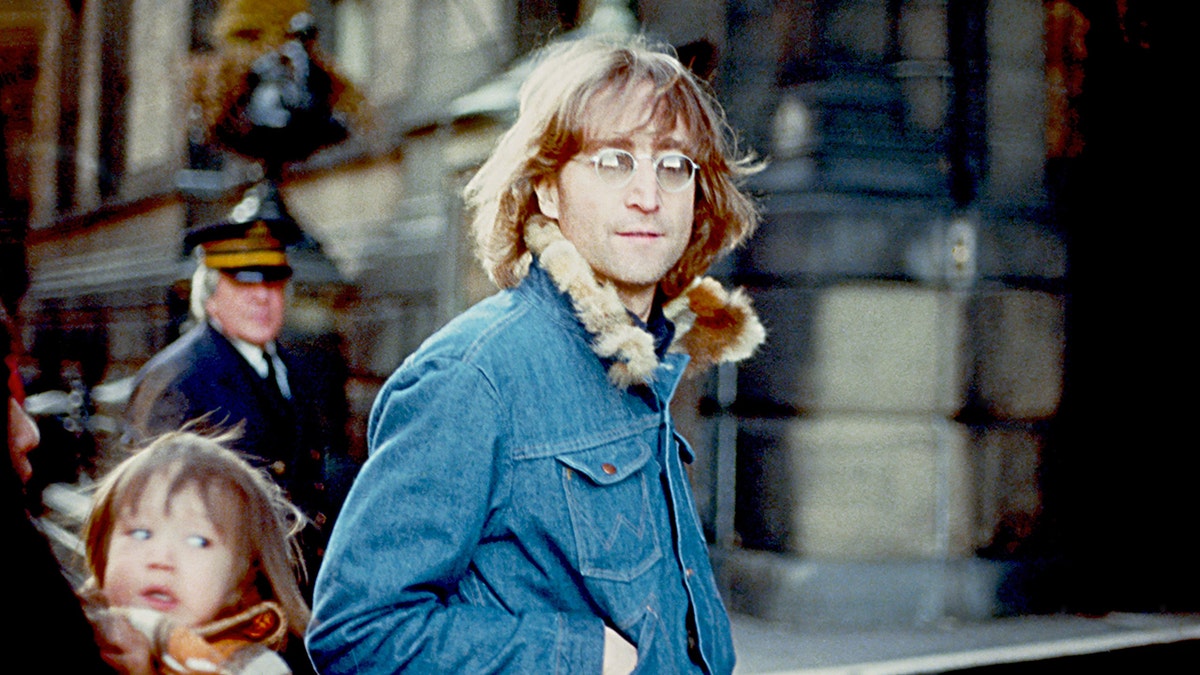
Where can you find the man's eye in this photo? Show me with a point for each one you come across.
(199, 541)
(671, 162)
(614, 159)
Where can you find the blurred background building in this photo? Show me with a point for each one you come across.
(954, 415)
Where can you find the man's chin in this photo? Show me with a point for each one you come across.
(258, 336)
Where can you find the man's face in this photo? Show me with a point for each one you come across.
(23, 437)
(631, 235)
(248, 311)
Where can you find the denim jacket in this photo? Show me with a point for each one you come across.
(516, 501)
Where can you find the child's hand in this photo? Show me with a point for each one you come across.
(122, 646)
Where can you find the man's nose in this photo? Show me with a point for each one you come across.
(642, 191)
(23, 438)
(260, 292)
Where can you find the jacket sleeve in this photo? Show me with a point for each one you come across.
(154, 409)
(386, 596)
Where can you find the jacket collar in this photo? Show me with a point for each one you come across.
(712, 325)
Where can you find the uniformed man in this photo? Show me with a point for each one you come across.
(234, 368)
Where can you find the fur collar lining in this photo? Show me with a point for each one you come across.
(712, 325)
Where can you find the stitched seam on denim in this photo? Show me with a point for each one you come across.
(578, 443)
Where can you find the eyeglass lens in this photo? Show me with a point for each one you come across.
(616, 167)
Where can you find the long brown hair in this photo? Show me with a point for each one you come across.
(550, 129)
(243, 503)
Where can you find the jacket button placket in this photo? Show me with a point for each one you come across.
(674, 470)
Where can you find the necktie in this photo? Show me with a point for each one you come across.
(273, 375)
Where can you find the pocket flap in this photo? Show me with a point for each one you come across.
(611, 463)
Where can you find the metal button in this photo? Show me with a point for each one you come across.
(608, 468)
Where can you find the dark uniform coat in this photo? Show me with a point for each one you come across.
(299, 440)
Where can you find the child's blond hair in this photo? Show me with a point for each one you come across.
(248, 509)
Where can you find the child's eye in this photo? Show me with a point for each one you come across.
(139, 533)
(199, 541)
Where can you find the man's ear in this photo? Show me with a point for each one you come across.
(547, 196)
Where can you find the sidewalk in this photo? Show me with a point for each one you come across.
(777, 649)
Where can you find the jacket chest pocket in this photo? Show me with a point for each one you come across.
(609, 492)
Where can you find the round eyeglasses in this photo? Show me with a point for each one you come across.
(673, 170)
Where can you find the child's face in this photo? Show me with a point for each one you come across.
(165, 554)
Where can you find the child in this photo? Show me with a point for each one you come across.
(194, 548)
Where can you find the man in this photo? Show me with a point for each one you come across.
(51, 631)
(525, 507)
(232, 369)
